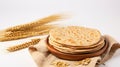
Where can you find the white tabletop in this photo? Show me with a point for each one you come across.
(103, 15)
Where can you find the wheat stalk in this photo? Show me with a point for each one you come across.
(50, 26)
(36, 23)
(22, 46)
(36, 31)
(33, 30)
(19, 35)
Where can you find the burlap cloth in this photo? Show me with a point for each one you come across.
(44, 58)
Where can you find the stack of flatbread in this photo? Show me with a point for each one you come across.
(86, 47)
(76, 43)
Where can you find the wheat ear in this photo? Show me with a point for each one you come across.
(37, 31)
(22, 46)
(36, 23)
(20, 35)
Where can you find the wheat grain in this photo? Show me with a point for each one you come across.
(83, 62)
(60, 64)
(22, 46)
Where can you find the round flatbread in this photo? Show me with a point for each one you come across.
(75, 36)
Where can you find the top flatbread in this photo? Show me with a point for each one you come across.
(75, 35)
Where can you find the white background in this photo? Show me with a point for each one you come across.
(101, 14)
